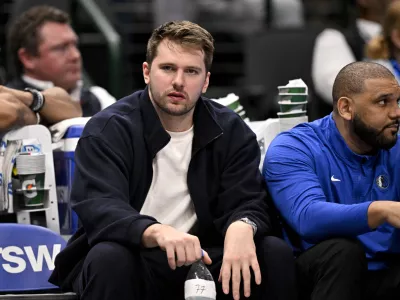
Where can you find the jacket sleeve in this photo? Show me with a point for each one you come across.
(242, 192)
(297, 193)
(100, 193)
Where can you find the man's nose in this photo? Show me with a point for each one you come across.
(179, 80)
(395, 113)
(398, 112)
(75, 54)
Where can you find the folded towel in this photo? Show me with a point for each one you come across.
(3, 146)
(8, 154)
(59, 129)
(103, 96)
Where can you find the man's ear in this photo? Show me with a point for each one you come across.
(345, 108)
(28, 60)
(206, 83)
(146, 72)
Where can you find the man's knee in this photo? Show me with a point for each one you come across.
(343, 251)
(109, 259)
(277, 265)
(338, 256)
(273, 249)
(110, 271)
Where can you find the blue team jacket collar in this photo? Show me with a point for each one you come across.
(340, 147)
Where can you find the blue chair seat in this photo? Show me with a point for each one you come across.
(67, 296)
(27, 254)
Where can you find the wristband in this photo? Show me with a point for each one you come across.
(38, 100)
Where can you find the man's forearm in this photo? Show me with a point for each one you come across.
(240, 224)
(58, 105)
(15, 114)
(149, 237)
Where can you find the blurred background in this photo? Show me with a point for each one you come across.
(260, 44)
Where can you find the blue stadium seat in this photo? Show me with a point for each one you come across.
(27, 254)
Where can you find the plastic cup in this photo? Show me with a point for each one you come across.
(31, 168)
(292, 90)
(234, 105)
(32, 186)
(292, 114)
(293, 97)
(288, 106)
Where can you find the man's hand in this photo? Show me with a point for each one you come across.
(382, 211)
(181, 248)
(13, 112)
(239, 256)
(59, 106)
(21, 96)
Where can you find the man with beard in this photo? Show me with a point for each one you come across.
(162, 171)
(336, 183)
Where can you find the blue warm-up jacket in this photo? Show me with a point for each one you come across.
(323, 189)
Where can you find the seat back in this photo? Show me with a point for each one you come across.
(27, 254)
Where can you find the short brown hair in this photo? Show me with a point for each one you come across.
(23, 32)
(185, 33)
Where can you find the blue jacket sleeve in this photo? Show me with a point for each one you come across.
(296, 191)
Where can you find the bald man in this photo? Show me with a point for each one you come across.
(336, 183)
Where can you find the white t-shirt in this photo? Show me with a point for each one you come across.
(168, 199)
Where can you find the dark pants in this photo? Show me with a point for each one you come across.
(111, 271)
(337, 269)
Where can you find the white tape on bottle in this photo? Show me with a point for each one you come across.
(200, 288)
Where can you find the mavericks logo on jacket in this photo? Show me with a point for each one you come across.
(382, 181)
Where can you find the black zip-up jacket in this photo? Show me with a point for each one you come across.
(113, 174)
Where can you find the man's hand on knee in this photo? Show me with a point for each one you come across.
(181, 248)
(239, 256)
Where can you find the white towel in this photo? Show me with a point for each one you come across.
(3, 146)
(59, 129)
(8, 154)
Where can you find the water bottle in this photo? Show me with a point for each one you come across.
(199, 284)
